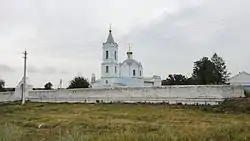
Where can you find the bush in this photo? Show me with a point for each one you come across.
(79, 82)
(247, 93)
(236, 105)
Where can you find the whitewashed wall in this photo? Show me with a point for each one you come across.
(127, 70)
(6, 96)
(170, 94)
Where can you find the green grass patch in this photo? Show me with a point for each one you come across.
(120, 122)
(10, 132)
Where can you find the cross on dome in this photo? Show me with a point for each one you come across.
(129, 53)
(110, 27)
(129, 48)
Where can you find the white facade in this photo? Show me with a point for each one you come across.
(131, 68)
(243, 79)
(127, 73)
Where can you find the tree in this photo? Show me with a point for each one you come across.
(175, 79)
(79, 82)
(191, 81)
(208, 71)
(164, 82)
(222, 75)
(48, 86)
(204, 72)
(2, 83)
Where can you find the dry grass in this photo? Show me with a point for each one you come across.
(123, 122)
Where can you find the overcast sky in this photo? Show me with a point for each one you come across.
(64, 37)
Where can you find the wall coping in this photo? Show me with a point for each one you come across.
(136, 88)
(5, 93)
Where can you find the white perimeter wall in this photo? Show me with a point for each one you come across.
(6, 96)
(169, 94)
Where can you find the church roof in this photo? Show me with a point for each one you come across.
(130, 61)
(242, 76)
(110, 38)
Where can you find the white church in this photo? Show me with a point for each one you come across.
(128, 73)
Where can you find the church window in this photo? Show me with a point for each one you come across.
(107, 54)
(140, 73)
(115, 69)
(115, 55)
(133, 72)
(107, 69)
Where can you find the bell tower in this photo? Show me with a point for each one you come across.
(109, 64)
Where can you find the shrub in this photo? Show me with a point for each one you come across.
(247, 93)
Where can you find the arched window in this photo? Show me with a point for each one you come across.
(115, 55)
(107, 55)
(107, 81)
(133, 72)
(115, 69)
(140, 73)
(107, 69)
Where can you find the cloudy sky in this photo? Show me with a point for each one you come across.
(64, 37)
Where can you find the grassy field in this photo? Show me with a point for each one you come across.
(120, 122)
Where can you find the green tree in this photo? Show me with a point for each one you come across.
(175, 79)
(204, 72)
(2, 83)
(79, 82)
(48, 86)
(222, 75)
(191, 81)
(164, 82)
(210, 71)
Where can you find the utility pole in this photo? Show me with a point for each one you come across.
(24, 78)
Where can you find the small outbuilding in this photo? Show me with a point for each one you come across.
(243, 78)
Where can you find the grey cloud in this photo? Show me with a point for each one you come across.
(6, 69)
(32, 69)
(46, 70)
(49, 70)
(175, 40)
(64, 72)
(69, 34)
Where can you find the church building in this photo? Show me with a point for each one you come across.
(243, 79)
(128, 73)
